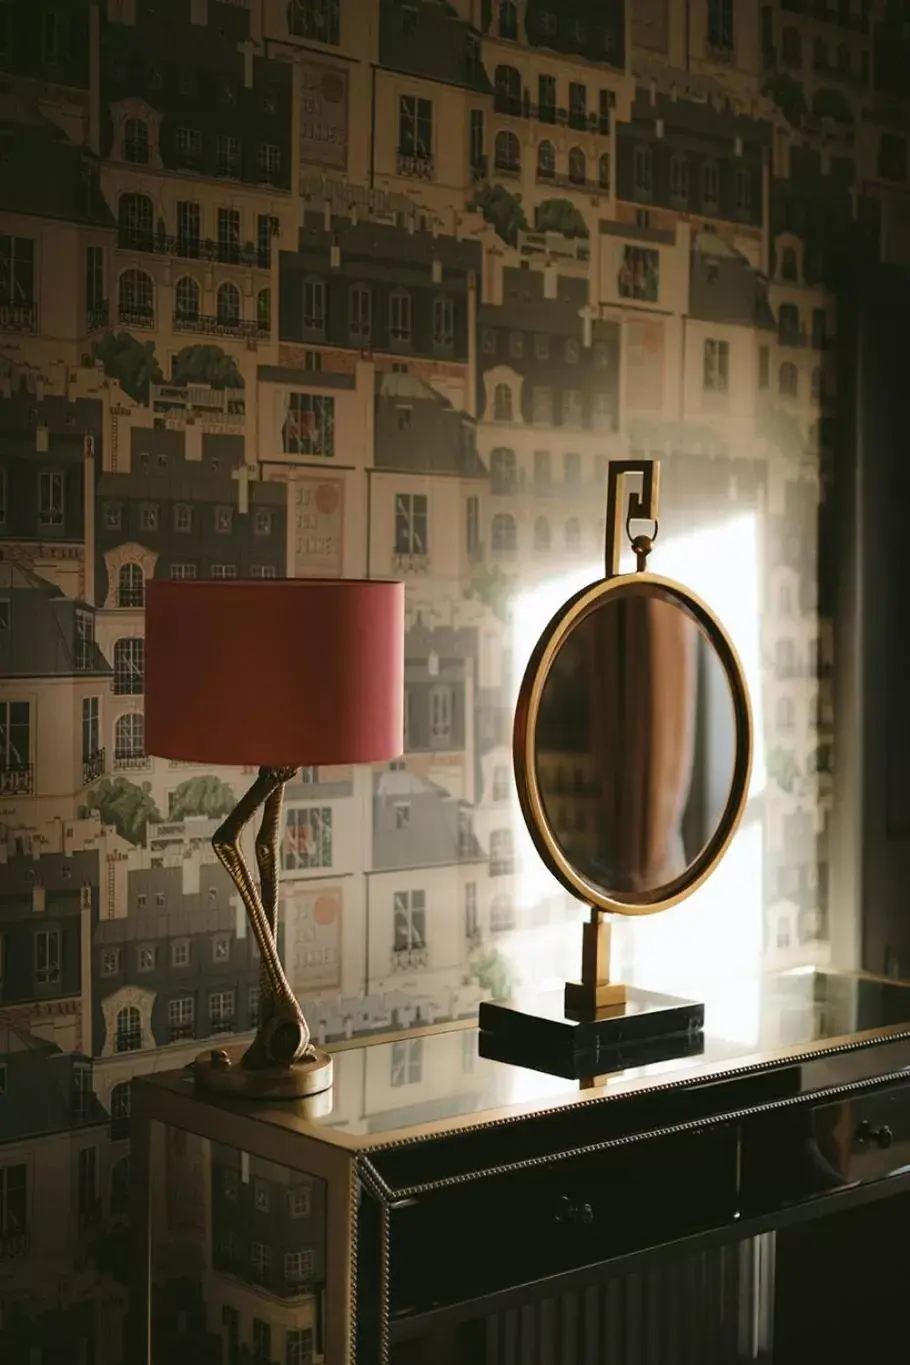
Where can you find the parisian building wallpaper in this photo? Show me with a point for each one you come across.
(378, 288)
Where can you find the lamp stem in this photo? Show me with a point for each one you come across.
(283, 1036)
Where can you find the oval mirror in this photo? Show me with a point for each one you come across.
(633, 743)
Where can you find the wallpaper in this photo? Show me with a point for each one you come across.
(345, 288)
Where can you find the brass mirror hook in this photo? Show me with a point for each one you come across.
(642, 506)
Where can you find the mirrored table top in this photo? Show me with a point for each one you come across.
(816, 1029)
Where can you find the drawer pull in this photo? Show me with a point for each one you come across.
(882, 1137)
(574, 1212)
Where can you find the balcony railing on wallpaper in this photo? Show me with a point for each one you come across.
(18, 317)
(208, 325)
(402, 562)
(97, 316)
(553, 244)
(13, 1244)
(417, 167)
(125, 763)
(522, 106)
(410, 959)
(141, 318)
(93, 767)
(571, 182)
(201, 397)
(17, 781)
(192, 248)
(502, 867)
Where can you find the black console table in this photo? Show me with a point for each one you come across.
(748, 1202)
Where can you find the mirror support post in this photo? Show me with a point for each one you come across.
(595, 994)
(643, 506)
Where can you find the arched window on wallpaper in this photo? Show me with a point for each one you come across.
(507, 153)
(136, 298)
(129, 666)
(130, 586)
(508, 19)
(710, 185)
(507, 90)
(578, 166)
(136, 219)
(186, 300)
(227, 304)
(541, 535)
(360, 312)
(264, 310)
(128, 1033)
(505, 534)
(129, 737)
(502, 403)
(603, 171)
(789, 380)
(573, 533)
(546, 160)
(503, 476)
(679, 179)
(789, 266)
(136, 141)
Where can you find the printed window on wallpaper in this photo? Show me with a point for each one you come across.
(91, 728)
(503, 471)
(507, 152)
(409, 920)
(411, 524)
(189, 144)
(407, 1063)
(189, 226)
(221, 1011)
(578, 166)
(639, 274)
(298, 1266)
(85, 640)
(710, 185)
(502, 855)
(308, 838)
(129, 666)
(47, 956)
(136, 215)
(477, 140)
(502, 914)
(136, 297)
(131, 582)
(13, 1202)
(442, 708)
(415, 128)
(541, 535)
(317, 20)
(128, 1029)
(360, 312)
(742, 188)
(15, 736)
(507, 90)
(309, 425)
(269, 157)
(186, 300)
(94, 279)
(300, 1201)
(400, 317)
(679, 179)
(716, 365)
(720, 24)
(181, 1018)
(136, 141)
(443, 323)
(572, 408)
(642, 170)
(546, 160)
(227, 304)
(17, 271)
(50, 498)
(228, 155)
(129, 738)
(546, 98)
(504, 534)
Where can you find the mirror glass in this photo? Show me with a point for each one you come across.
(635, 743)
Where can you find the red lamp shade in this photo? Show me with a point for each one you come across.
(275, 673)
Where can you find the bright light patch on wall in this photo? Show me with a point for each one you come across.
(717, 933)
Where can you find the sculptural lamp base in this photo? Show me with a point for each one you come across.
(222, 1069)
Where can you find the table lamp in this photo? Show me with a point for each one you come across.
(272, 673)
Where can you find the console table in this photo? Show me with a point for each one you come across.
(746, 1202)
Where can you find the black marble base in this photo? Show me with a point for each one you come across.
(534, 1031)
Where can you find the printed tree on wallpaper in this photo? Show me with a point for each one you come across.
(208, 797)
(789, 96)
(492, 971)
(502, 210)
(490, 585)
(560, 215)
(121, 803)
(206, 365)
(131, 362)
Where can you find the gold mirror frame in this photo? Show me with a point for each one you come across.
(581, 605)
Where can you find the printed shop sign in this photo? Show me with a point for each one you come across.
(316, 514)
(323, 117)
(313, 937)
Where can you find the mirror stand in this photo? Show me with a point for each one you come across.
(595, 996)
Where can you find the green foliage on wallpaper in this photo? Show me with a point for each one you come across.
(131, 362)
(503, 210)
(492, 586)
(783, 430)
(493, 972)
(833, 104)
(122, 804)
(207, 796)
(788, 95)
(783, 768)
(560, 215)
(206, 365)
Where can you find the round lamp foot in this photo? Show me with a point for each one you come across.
(222, 1069)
